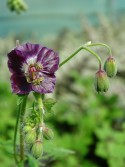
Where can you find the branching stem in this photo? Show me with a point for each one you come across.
(77, 51)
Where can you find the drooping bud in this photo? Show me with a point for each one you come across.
(30, 137)
(110, 67)
(101, 81)
(37, 149)
(47, 133)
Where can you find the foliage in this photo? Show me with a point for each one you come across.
(17, 5)
(83, 122)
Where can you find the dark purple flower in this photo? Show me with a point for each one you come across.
(33, 67)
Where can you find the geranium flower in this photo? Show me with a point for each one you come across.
(33, 68)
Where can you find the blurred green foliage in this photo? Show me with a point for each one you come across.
(88, 124)
(17, 5)
(89, 127)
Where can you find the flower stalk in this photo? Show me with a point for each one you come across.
(101, 44)
(15, 136)
(93, 53)
(22, 112)
(40, 106)
(84, 47)
(71, 56)
(20, 117)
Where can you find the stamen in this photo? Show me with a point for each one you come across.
(33, 75)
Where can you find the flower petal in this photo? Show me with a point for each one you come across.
(15, 61)
(19, 84)
(47, 85)
(49, 59)
(29, 50)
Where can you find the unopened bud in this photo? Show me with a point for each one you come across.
(30, 137)
(110, 67)
(37, 149)
(101, 81)
(48, 133)
(27, 129)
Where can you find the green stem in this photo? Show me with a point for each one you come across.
(22, 112)
(40, 105)
(71, 56)
(78, 50)
(101, 44)
(93, 53)
(15, 136)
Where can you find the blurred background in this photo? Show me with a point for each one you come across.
(89, 127)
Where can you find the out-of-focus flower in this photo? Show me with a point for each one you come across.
(33, 68)
(110, 67)
(101, 81)
(17, 5)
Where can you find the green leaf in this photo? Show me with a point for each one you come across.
(32, 162)
(49, 103)
(101, 150)
(56, 152)
(116, 150)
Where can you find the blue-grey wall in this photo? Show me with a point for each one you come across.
(49, 16)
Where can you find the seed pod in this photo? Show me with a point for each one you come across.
(110, 67)
(37, 149)
(101, 81)
(48, 133)
(30, 136)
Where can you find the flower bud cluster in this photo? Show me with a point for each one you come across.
(34, 138)
(17, 5)
(101, 77)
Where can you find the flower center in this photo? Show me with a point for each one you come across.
(33, 74)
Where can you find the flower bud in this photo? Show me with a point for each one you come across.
(27, 129)
(30, 137)
(48, 133)
(101, 81)
(37, 149)
(110, 67)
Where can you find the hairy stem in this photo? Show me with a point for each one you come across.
(22, 112)
(40, 105)
(15, 136)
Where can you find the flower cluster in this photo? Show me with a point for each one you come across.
(34, 135)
